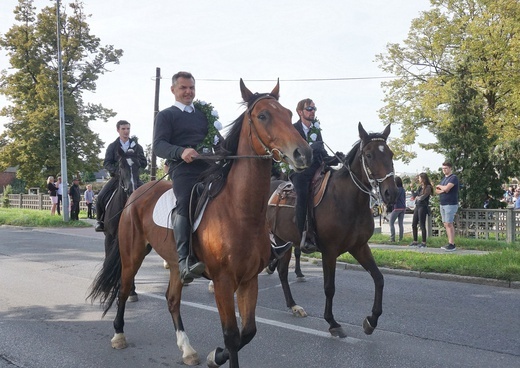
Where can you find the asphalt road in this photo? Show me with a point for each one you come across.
(46, 322)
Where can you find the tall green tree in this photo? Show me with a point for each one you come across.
(482, 34)
(31, 139)
(466, 142)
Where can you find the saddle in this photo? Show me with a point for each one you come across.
(285, 195)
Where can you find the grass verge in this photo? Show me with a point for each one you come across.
(36, 218)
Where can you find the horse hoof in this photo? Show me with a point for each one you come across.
(192, 359)
(210, 360)
(211, 287)
(133, 298)
(368, 327)
(298, 311)
(119, 341)
(166, 265)
(338, 332)
(301, 279)
(269, 271)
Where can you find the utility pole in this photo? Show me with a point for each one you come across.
(63, 145)
(153, 172)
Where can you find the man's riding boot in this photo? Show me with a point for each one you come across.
(189, 269)
(307, 244)
(100, 227)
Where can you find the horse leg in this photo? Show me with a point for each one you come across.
(224, 296)
(119, 339)
(297, 267)
(365, 258)
(173, 298)
(329, 281)
(283, 273)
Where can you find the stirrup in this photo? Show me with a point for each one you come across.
(307, 247)
(280, 250)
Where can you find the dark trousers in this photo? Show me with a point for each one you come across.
(419, 218)
(60, 200)
(89, 210)
(302, 182)
(104, 196)
(74, 210)
(184, 177)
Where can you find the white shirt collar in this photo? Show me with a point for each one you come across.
(182, 106)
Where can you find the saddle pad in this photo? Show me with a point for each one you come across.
(162, 212)
(163, 208)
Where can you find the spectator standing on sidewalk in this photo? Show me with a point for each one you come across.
(398, 211)
(89, 199)
(59, 184)
(422, 208)
(448, 191)
(75, 198)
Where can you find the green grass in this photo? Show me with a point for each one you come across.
(36, 218)
(500, 265)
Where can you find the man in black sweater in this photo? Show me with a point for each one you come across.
(179, 130)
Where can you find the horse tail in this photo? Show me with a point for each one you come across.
(105, 286)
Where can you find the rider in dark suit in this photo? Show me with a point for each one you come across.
(310, 130)
(111, 164)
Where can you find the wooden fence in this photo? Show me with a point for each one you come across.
(37, 201)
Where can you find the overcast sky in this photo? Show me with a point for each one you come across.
(258, 41)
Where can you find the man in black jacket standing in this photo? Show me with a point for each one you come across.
(111, 165)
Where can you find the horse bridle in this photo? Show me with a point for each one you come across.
(252, 128)
(374, 182)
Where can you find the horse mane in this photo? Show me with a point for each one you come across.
(229, 145)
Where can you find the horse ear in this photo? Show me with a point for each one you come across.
(246, 93)
(362, 132)
(386, 133)
(276, 90)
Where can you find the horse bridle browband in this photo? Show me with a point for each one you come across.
(252, 128)
(374, 182)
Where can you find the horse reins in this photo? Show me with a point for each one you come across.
(374, 182)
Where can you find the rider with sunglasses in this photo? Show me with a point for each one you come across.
(309, 129)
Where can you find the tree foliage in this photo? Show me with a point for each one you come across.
(457, 77)
(31, 140)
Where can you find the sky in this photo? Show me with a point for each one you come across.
(324, 50)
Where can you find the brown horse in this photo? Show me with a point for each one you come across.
(232, 238)
(344, 221)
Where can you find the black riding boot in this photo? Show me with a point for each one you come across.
(189, 269)
(100, 214)
(307, 245)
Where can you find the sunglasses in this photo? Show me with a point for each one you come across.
(311, 108)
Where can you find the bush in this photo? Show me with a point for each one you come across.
(5, 199)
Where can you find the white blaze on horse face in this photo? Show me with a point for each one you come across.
(382, 148)
(131, 164)
(273, 105)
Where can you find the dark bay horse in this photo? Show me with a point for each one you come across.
(344, 221)
(232, 239)
(127, 177)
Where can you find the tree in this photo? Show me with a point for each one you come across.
(458, 78)
(467, 143)
(31, 140)
(482, 34)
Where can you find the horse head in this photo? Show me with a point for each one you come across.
(272, 131)
(128, 170)
(376, 161)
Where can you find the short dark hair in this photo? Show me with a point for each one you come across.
(398, 181)
(447, 163)
(302, 103)
(178, 75)
(121, 122)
